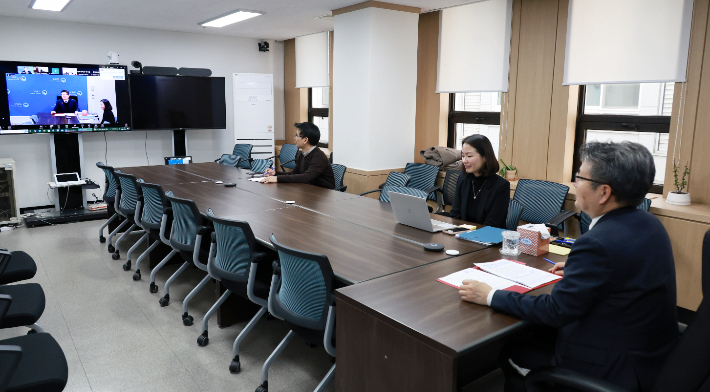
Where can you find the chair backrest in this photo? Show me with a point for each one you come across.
(542, 199)
(129, 193)
(235, 244)
(244, 151)
(228, 160)
(186, 220)
(288, 153)
(397, 179)
(450, 180)
(260, 165)
(154, 202)
(585, 220)
(306, 289)
(515, 210)
(423, 175)
(339, 173)
(384, 194)
(111, 184)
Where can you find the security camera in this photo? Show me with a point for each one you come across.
(113, 57)
(263, 46)
(137, 64)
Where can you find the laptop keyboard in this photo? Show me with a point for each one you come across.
(439, 225)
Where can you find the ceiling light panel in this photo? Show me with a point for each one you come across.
(230, 18)
(49, 5)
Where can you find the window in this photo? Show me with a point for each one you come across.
(637, 112)
(318, 112)
(474, 113)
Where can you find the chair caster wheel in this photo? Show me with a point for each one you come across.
(127, 266)
(153, 288)
(102, 239)
(111, 248)
(263, 387)
(165, 300)
(137, 275)
(115, 255)
(187, 320)
(235, 367)
(203, 340)
(31, 331)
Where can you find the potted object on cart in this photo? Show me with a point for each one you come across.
(679, 197)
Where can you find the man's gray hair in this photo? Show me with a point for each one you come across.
(627, 167)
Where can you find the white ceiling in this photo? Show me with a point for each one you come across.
(281, 20)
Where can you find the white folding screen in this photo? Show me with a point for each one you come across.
(312, 60)
(613, 41)
(474, 47)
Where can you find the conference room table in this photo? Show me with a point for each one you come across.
(398, 328)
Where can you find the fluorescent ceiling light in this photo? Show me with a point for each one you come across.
(232, 17)
(49, 5)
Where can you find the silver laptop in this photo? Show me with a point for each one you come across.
(68, 179)
(412, 211)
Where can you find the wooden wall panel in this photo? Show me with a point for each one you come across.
(508, 101)
(428, 130)
(535, 71)
(295, 99)
(697, 146)
(330, 96)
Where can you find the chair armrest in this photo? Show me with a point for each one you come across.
(435, 188)
(559, 218)
(380, 186)
(375, 190)
(204, 230)
(168, 211)
(538, 380)
(277, 268)
(341, 188)
(682, 327)
(10, 357)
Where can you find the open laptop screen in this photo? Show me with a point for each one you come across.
(66, 177)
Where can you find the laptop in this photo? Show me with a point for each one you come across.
(412, 211)
(68, 179)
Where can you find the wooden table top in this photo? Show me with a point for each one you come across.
(162, 175)
(413, 301)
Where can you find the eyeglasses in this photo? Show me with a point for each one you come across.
(577, 177)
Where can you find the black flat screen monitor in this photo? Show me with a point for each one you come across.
(63, 97)
(178, 102)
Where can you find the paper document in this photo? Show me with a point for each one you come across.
(457, 278)
(255, 179)
(519, 273)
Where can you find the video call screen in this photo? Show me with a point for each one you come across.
(51, 98)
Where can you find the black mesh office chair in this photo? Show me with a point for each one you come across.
(21, 267)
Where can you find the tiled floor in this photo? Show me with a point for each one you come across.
(116, 337)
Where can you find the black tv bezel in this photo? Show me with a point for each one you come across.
(131, 76)
(5, 109)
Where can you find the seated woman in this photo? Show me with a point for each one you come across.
(108, 117)
(482, 196)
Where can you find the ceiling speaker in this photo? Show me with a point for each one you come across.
(194, 71)
(160, 71)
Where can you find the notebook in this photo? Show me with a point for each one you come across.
(537, 277)
(485, 236)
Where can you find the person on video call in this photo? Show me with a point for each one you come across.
(108, 116)
(312, 165)
(66, 104)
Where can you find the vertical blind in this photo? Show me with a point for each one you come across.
(627, 41)
(474, 47)
(312, 60)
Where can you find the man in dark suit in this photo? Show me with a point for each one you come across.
(615, 307)
(66, 104)
(312, 165)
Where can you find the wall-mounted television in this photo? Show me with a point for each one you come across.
(178, 102)
(63, 97)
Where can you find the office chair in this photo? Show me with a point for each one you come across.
(302, 295)
(127, 195)
(137, 220)
(384, 195)
(515, 210)
(187, 222)
(109, 195)
(260, 165)
(153, 203)
(585, 220)
(20, 304)
(339, 173)
(244, 151)
(288, 153)
(20, 267)
(393, 179)
(228, 160)
(423, 177)
(686, 369)
(543, 201)
(448, 191)
(233, 260)
(32, 363)
(166, 226)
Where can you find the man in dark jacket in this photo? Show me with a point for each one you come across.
(615, 307)
(65, 104)
(312, 165)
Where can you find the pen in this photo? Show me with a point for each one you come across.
(551, 262)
